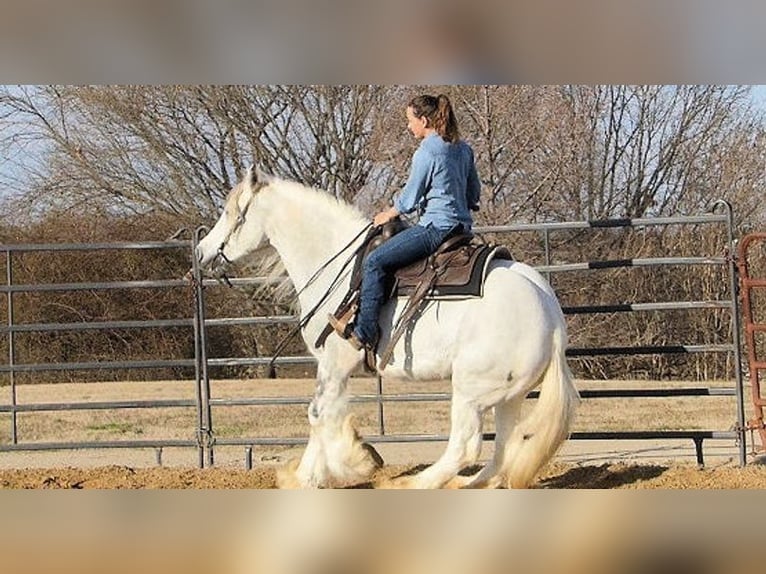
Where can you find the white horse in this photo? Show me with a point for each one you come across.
(495, 348)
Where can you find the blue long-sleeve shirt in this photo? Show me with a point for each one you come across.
(443, 184)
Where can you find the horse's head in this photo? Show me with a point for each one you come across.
(239, 230)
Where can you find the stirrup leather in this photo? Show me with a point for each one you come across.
(342, 325)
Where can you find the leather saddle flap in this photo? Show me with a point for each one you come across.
(457, 271)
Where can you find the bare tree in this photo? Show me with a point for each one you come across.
(180, 149)
(643, 150)
(544, 152)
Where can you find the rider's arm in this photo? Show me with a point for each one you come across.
(417, 183)
(473, 188)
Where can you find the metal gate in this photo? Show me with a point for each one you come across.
(205, 437)
(720, 218)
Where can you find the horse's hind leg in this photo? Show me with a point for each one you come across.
(491, 476)
(463, 448)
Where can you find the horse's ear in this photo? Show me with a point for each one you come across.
(256, 177)
(260, 175)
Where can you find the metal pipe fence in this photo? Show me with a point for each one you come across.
(206, 408)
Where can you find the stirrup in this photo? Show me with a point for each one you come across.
(348, 334)
(341, 325)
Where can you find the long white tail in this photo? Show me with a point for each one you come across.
(537, 438)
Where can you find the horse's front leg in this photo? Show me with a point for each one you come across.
(335, 454)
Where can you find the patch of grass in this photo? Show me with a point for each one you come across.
(115, 428)
(232, 430)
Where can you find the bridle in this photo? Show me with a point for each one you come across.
(240, 221)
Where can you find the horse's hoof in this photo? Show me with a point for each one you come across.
(398, 483)
(365, 467)
(458, 482)
(470, 482)
(286, 477)
(374, 454)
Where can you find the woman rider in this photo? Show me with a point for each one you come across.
(443, 187)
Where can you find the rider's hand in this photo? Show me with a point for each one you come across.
(385, 216)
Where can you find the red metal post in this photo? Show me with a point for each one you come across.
(757, 364)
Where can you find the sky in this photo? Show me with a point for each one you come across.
(758, 94)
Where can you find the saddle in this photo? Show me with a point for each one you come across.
(455, 271)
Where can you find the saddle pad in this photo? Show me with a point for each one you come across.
(463, 276)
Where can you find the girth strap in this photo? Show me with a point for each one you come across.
(412, 306)
(425, 286)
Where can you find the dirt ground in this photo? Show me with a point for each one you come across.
(632, 465)
(557, 476)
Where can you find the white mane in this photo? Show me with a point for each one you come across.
(321, 202)
(340, 217)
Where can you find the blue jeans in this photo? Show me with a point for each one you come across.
(407, 246)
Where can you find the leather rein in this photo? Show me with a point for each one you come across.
(333, 285)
